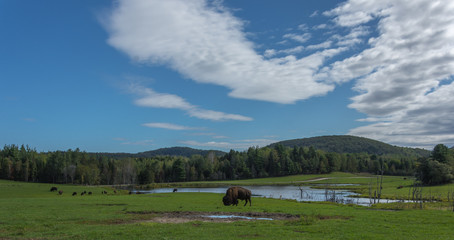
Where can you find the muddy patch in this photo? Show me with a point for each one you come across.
(183, 217)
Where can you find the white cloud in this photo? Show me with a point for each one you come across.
(169, 126)
(151, 98)
(321, 26)
(215, 115)
(303, 27)
(354, 37)
(270, 52)
(314, 14)
(298, 49)
(405, 77)
(401, 76)
(147, 97)
(301, 38)
(207, 44)
(322, 45)
(238, 144)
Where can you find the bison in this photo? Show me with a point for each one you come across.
(60, 192)
(234, 193)
(53, 189)
(74, 193)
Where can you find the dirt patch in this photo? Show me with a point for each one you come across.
(183, 217)
(333, 217)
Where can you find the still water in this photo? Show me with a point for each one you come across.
(297, 193)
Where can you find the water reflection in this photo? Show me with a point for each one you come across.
(298, 193)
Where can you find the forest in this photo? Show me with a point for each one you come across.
(22, 163)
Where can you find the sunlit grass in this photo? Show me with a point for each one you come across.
(30, 210)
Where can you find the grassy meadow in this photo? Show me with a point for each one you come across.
(31, 211)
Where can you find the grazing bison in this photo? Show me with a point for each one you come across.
(53, 189)
(74, 193)
(60, 192)
(175, 190)
(82, 193)
(234, 193)
(90, 193)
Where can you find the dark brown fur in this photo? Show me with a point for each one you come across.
(234, 193)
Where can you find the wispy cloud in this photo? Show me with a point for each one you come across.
(237, 144)
(29, 119)
(147, 97)
(314, 14)
(169, 126)
(301, 38)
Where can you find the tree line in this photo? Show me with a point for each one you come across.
(78, 167)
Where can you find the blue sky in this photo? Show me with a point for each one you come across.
(137, 75)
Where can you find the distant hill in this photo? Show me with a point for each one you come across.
(178, 151)
(171, 151)
(352, 144)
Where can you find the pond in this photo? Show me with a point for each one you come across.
(304, 193)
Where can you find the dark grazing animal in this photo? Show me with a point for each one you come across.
(234, 193)
(175, 190)
(60, 192)
(74, 193)
(90, 193)
(82, 193)
(53, 189)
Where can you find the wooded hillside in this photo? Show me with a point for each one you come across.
(23, 163)
(352, 144)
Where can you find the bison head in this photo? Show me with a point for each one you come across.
(227, 201)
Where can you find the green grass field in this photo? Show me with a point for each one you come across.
(31, 211)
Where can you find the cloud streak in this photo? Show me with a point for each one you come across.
(238, 144)
(168, 126)
(147, 97)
